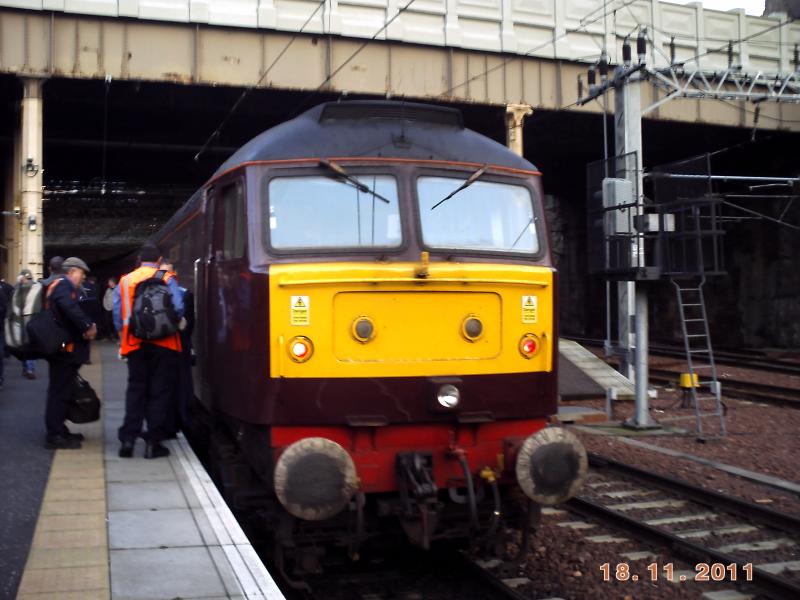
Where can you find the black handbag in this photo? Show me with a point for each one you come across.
(47, 335)
(84, 407)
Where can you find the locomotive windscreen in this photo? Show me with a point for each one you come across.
(320, 212)
(486, 216)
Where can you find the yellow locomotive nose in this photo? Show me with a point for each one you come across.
(551, 466)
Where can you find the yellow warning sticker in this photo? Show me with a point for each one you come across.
(301, 310)
(529, 309)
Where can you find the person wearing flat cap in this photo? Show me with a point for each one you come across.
(62, 298)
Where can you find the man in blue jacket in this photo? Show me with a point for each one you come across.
(62, 299)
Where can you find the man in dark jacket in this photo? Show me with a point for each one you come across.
(63, 301)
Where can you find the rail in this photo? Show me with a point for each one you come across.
(772, 585)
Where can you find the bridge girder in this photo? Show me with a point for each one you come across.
(36, 44)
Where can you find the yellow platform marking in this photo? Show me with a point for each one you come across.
(68, 559)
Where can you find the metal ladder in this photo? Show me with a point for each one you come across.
(699, 355)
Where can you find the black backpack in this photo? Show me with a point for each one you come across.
(153, 315)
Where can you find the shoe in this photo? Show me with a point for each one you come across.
(155, 451)
(76, 436)
(126, 450)
(62, 442)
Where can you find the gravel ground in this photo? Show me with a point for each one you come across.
(760, 438)
(563, 564)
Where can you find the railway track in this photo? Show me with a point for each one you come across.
(726, 539)
(746, 360)
(441, 574)
(722, 357)
(737, 388)
(731, 387)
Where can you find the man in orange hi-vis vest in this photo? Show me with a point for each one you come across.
(152, 364)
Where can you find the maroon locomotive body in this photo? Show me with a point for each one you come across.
(376, 324)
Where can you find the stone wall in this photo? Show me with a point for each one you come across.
(755, 305)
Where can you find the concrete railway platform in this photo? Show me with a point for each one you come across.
(85, 524)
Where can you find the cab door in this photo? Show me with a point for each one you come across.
(226, 260)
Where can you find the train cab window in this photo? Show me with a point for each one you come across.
(486, 216)
(323, 212)
(230, 227)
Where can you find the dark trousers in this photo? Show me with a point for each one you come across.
(108, 326)
(59, 393)
(152, 372)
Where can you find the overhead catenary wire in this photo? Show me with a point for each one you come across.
(757, 113)
(538, 47)
(299, 107)
(250, 88)
(584, 23)
(725, 46)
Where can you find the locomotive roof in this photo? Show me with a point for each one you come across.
(383, 128)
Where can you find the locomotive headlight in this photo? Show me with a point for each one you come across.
(529, 345)
(448, 396)
(300, 348)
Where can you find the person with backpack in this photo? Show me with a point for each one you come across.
(61, 298)
(148, 307)
(26, 301)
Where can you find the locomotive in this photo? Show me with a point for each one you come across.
(376, 327)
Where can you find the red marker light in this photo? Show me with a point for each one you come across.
(529, 345)
(300, 348)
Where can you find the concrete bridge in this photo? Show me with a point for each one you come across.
(485, 53)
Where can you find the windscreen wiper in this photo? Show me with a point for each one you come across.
(521, 233)
(340, 172)
(472, 179)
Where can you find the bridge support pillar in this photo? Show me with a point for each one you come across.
(515, 117)
(29, 174)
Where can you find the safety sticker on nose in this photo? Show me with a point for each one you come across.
(301, 310)
(529, 309)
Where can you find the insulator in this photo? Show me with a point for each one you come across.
(591, 76)
(755, 121)
(796, 58)
(672, 51)
(626, 53)
(603, 65)
(730, 54)
(641, 45)
(580, 87)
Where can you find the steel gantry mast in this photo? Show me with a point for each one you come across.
(623, 203)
